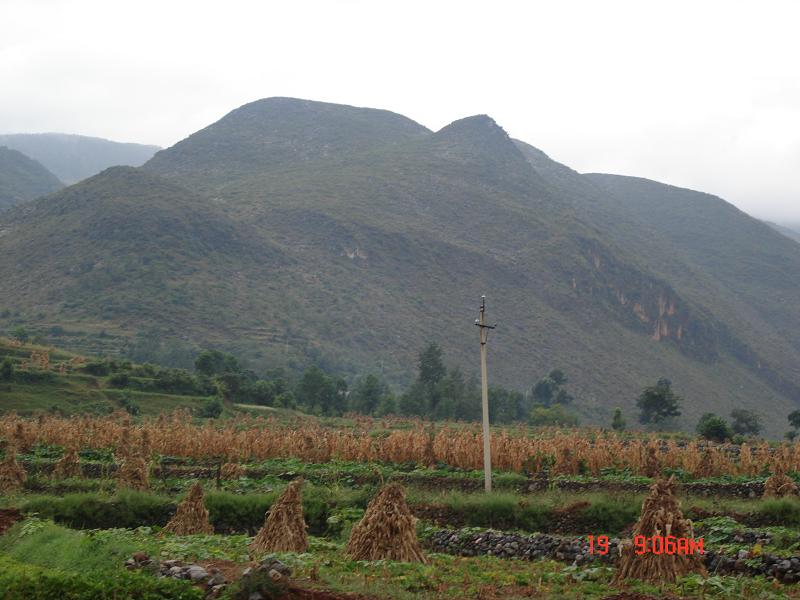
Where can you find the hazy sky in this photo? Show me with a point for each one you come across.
(702, 94)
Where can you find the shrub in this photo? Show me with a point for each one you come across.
(211, 409)
(555, 415)
(91, 511)
(7, 369)
(119, 380)
(98, 368)
(714, 428)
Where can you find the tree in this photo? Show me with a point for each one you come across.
(713, 427)
(367, 394)
(506, 406)
(618, 421)
(414, 402)
(794, 419)
(745, 422)
(431, 366)
(321, 394)
(658, 402)
(549, 389)
(213, 362)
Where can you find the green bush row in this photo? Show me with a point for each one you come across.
(230, 513)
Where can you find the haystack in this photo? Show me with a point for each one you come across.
(134, 473)
(387, 530)
(779, 484)
(12, 475)
(191, 516)
(284, 529)
(69, 465)
(661, 516)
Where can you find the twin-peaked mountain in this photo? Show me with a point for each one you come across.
(293, 232)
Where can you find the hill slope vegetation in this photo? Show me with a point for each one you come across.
(293, 232)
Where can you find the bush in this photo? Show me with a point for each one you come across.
(91, 511)
(714, 428)
(98, 368)
(555, 415)
(119, 380)
(211, 409)
(7, 369)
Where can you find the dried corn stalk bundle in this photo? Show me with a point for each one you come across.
(134, 473)
(284, 528)
(387, 530)
(231, 471)
(779, 484)
(12, 475)
(68, 465)
(661, 517)
(191, 516)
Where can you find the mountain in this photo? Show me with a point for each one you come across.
(75, 157)
(22, 178)
(792, 232)
(293, 232)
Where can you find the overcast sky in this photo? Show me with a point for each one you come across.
(702, 94)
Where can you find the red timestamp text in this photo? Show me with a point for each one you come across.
(657, 544)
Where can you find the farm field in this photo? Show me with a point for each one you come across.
(94, 476)
(79, 514)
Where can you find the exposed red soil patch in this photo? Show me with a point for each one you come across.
(8, 516)
(232, 571)
(297, 593)
(634, 596)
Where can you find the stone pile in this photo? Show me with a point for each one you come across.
(211, 580)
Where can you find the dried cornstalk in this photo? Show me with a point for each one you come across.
(191, 516)
(12, 475)
(661, 517)
(134, 473)
(68, 465)
(779, 484)
(387, 530)
(284, 528)
(230, 471)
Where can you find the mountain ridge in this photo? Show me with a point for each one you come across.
(74, 157)
(355, 249)
(23, 179)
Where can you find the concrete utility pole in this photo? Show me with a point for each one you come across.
(487, 446)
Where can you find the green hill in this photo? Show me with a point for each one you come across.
(75, 157)
(293, 232)
(23, 179)
(82, 385)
